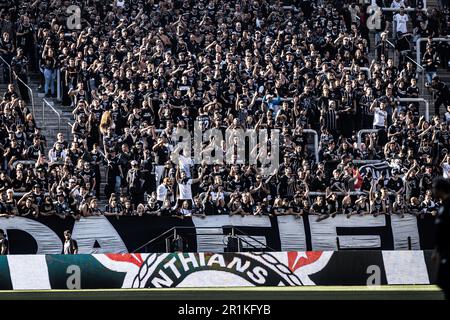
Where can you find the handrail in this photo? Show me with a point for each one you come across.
(153, 240)
(21, 194)
(316, 142)
(44, 102)
(58, 85)
(29, 89)
(427, 116)
(406, 9)
(25, 162)
(256, 240)
(70, 127)
(418, 65)
(390, 43)
(360, 132)
(427, 105)
(393, 47)
(418, 41)
(362, 69)
(11, 73)
(186, 227)
(9, 67)
(422, 71)
(367, 161)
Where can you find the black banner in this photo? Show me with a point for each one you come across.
(284, 233)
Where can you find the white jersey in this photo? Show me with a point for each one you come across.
(161, 192)
(379, 117)
(401, 21)
(185, 190)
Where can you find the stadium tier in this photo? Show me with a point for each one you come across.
(302, 138)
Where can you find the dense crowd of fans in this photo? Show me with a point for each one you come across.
(139, 70)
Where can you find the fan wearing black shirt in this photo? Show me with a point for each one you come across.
(296, 206)
(19, 65)
(320, 208)
(35, 150)
(412, 181)
(395, 184)
(13, 152)
(27, 206)
(333, 204)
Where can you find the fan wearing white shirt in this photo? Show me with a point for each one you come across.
(379, 115)
(445, 164)
(164, 191)
(185, 186)
(401, 19)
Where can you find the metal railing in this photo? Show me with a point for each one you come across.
(361, 132)
(173, 231)
(418, 41)
(418, 66)
(367, 70)
(69, 131)
(427, 105)
(316, 142)
(44, 103)
(13, 75)
(30, 90)
(406, 9)
(25, 162)
(58, 85)
(7, 65)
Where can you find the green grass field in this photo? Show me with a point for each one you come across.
(413, 292)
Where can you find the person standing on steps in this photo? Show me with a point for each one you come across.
(48, 68)
(19, 65)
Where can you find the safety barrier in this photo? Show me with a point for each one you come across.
(360, 133)
(418, 41)
(13, 75)
(427, 105)
(367, 70)
(316, 142)
(44, 103)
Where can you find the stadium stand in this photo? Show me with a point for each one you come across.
(357, 135)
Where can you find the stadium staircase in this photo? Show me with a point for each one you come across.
(50, 127)
(49, 119)
(443, 73)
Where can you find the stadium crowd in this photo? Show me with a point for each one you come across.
(139, 70)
